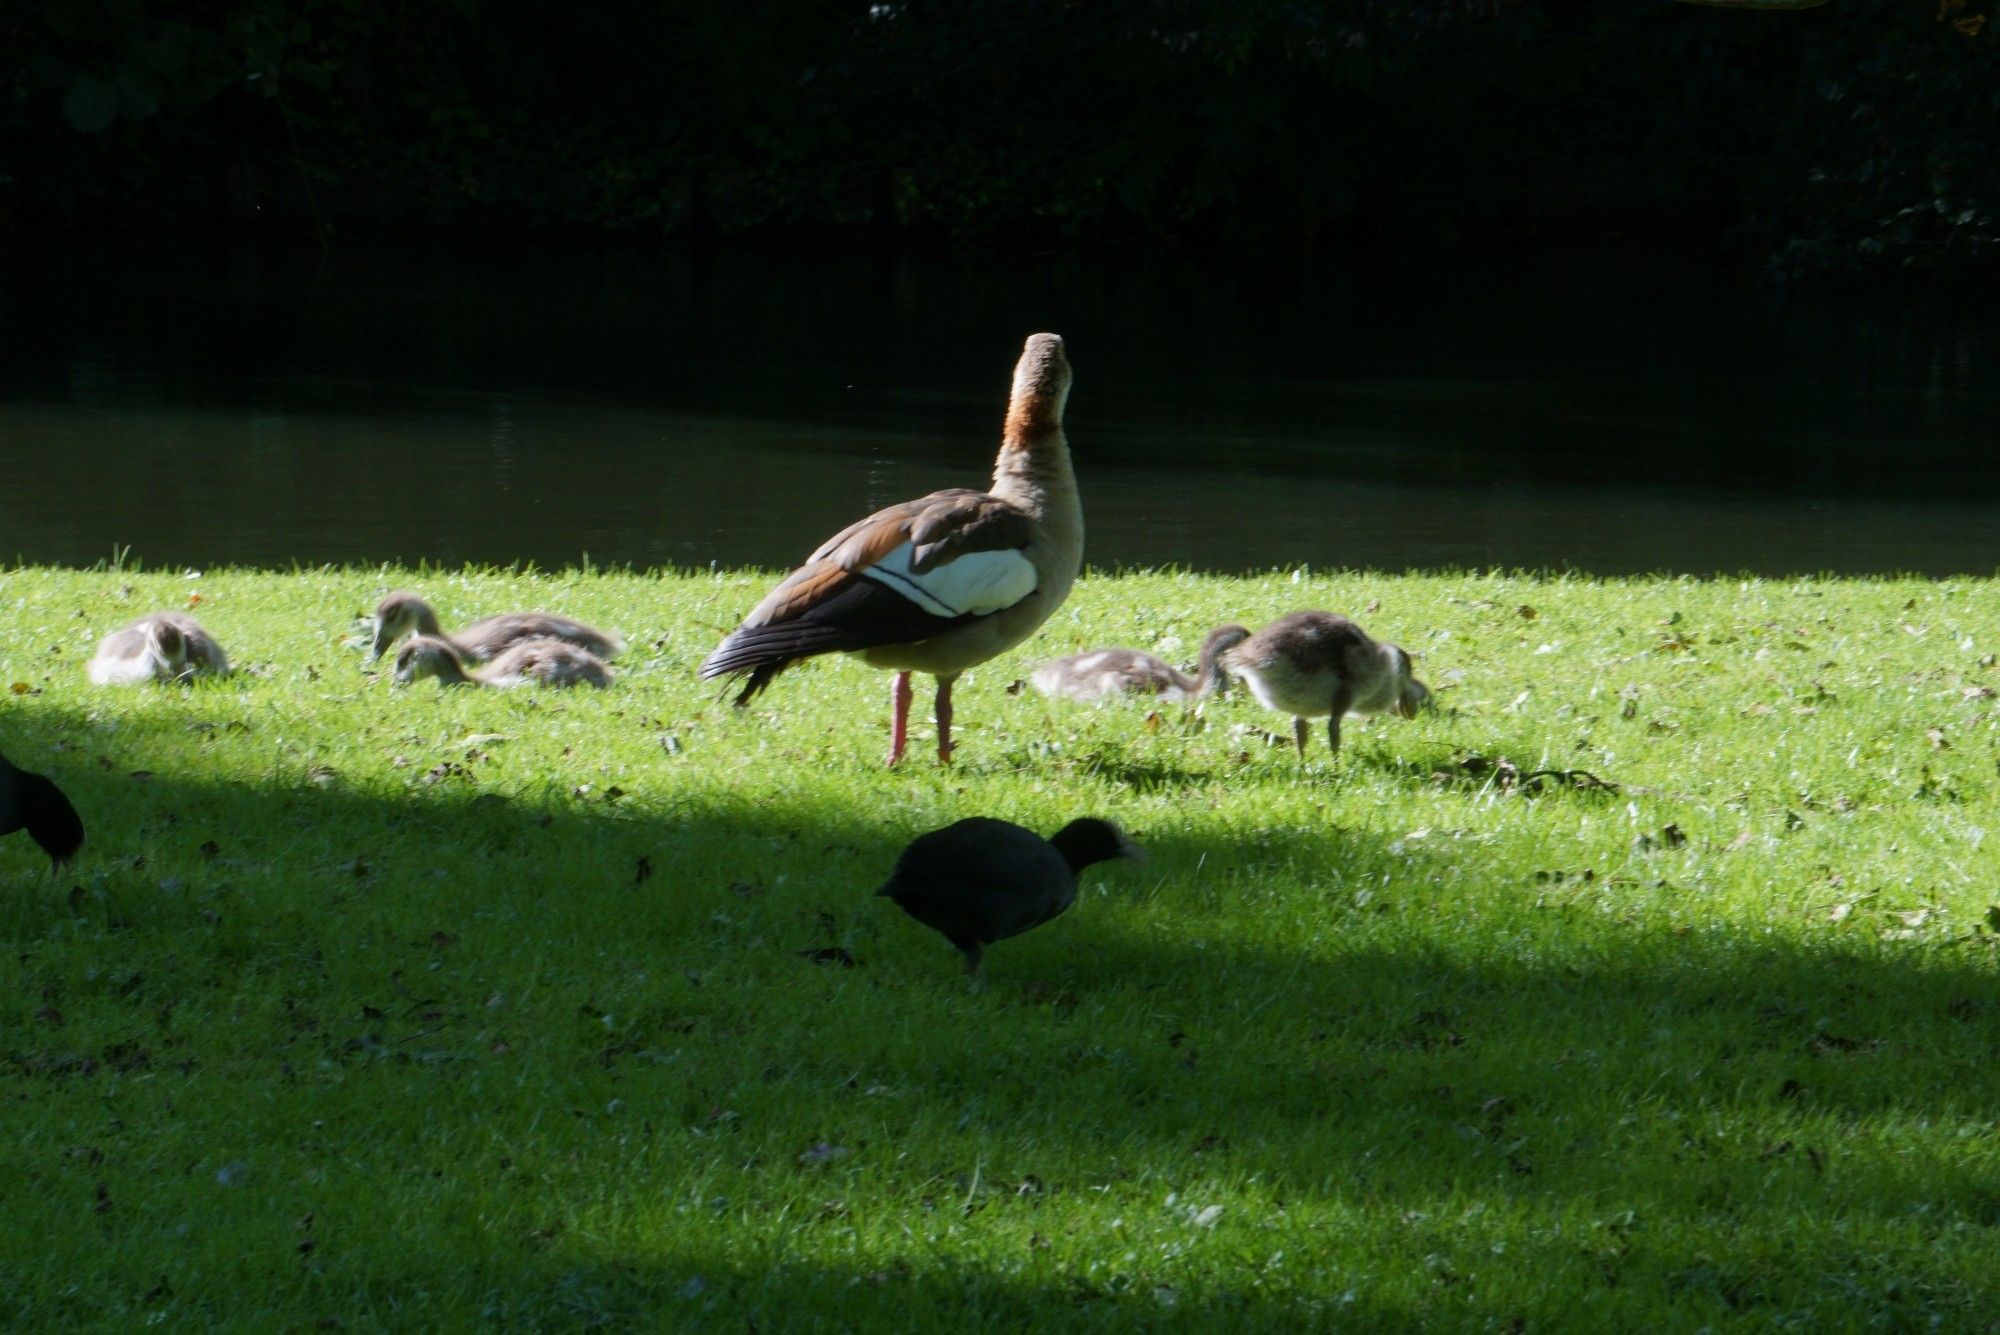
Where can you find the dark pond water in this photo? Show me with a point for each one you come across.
(1610, 411)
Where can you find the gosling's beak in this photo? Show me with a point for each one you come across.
(381, 643)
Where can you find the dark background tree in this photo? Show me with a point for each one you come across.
(1859, 134)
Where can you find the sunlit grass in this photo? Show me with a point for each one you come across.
(419, 1007)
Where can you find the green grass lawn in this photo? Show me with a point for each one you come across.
(407, 1007)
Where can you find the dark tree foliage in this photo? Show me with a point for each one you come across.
(1856, 134)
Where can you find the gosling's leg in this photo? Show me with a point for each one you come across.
(1341, 696)
(944, 719)
(1299, 729)
(899, 726)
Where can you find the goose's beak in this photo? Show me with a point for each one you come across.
(1130, 850)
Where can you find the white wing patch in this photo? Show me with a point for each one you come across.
(975, 584)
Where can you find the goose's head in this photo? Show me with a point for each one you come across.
(168, 644)
(428, 656)
(1411, 694)
(1041, 387)
(401, 613)
(1219, 642)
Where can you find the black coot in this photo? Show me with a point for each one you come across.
(982, 880)
(31, 802)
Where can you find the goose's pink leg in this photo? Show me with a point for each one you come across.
(899, 729)
(944, 719)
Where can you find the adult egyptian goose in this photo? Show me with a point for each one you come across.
(32, 803)
(529, 663)
(1318, 665)
(404, 613)
(1103, 673)
(982, 880)
(161, 646)
(941, 583)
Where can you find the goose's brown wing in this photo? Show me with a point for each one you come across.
(900, 576)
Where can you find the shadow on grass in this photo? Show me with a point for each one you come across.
(1595, 1070)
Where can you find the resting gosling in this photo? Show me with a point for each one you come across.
(1103, 673)
(33, 803)
(983, 880)
(531, 662)
(404, 613)
(1318, 665)
(162, 646)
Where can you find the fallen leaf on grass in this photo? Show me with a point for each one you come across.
(830, 955)
(823, 1153)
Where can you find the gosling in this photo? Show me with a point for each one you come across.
(404, 613)
(162, 646)
(530, 663)
(1103, 673)
(1319, 665)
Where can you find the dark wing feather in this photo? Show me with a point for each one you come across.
(846, 613)
(825, 606)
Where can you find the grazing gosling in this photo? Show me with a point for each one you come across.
(1318, 665)
(1103, 673)
(404, 613)
(161, 646)
(31, 802)
(982, 880)
(530, 663)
